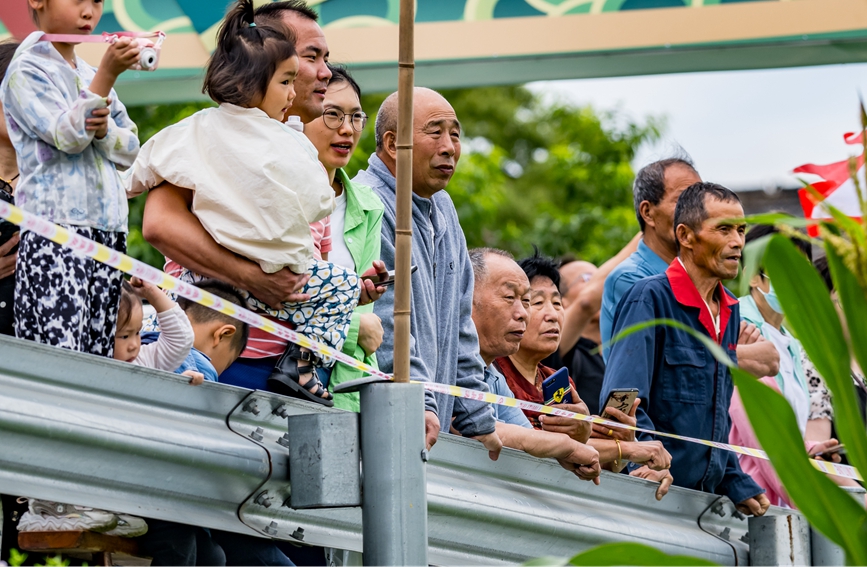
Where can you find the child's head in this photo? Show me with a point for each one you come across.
(66, 16)
(127, 337)
(253, 66)
(220, 337)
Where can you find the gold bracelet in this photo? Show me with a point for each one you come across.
(619, 454)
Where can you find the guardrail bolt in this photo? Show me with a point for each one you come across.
(264, 499)
(284, 441)
(258, 435)
(271, 529)
(282, 410)
(745, 538)
(737, 514)
(726, 533)
(424, 455)
(252, 407)
(298, 534)
(718, 510)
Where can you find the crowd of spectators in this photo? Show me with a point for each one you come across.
(480, 319)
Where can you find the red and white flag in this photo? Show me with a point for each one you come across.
(836, 187)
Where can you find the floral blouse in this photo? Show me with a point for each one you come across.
(820, 396)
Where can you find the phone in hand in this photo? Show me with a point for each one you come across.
(621, 399)
(556, 389)
(835, 449)
(389, 280)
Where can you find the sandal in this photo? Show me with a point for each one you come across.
(286, 377)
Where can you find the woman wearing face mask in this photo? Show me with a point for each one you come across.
(355, 223)
(762, 308)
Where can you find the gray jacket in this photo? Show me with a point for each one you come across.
(444, 346)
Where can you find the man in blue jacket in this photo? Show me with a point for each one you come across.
(684, 390)
(444, 346)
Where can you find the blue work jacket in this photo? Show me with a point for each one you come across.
(683, 389)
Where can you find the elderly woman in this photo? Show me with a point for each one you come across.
(525, 373)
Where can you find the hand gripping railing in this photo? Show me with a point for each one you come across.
(96, 432)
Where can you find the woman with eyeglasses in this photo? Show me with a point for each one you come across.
(8, 231)
(356, 220)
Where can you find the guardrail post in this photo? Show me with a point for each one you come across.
(825, 551)
(394, 488)
(779, 540)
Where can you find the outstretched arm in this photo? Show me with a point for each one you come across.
(589, 301)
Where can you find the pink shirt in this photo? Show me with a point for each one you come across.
(321, 233)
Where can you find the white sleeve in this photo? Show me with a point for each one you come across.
(174, 344)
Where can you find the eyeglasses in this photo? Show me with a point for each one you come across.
(333, 118)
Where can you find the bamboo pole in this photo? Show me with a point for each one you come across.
(403, 222)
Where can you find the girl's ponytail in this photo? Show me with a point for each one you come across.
(246, 57)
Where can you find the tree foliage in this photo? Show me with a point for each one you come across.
(554, 175)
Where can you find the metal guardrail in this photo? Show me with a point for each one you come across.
(101, 433)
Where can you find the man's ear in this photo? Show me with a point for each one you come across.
(224, 332)
(685, 236)
(644, 209)
(389, 144)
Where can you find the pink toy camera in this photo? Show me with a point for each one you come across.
(149, 56)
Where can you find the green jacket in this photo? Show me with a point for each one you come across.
(361, 232)
(750, 313)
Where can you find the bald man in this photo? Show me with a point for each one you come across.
(444, 345)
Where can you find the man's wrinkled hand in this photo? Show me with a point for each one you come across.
(663, 477)
(756, 506)
(604, 432)
(277, 288)
(431, 429)
(650, 453)
(492, 443)
(749, 334)
(583, 462)
(577, 430)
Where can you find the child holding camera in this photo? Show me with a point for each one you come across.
(71, 134)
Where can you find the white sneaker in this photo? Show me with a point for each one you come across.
(128, 526)
(47, 516)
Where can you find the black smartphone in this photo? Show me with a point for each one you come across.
(621, 399)
(556, 388)
(389, 280)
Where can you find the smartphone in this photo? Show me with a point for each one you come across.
(389, 280)
(556, 388)
(620, 398)
(835, 449)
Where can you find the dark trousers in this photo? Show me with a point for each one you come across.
(250, 550)
(169, 543)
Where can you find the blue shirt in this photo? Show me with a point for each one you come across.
(68, 176)
(198, 361)
(641, 264)
(444, 346)
(683, 389)
(507, 414)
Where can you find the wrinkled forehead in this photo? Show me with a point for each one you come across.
(432, 108)
(543, 286)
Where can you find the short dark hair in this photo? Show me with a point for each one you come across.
(246, 57)
(128, 299)
(340, 74)
(198, 313)
(690, 209)
(478, 258)
(760, 230)
(649, 184)
(539, 266)
(273, 11)
(821, 265)
(7, 50)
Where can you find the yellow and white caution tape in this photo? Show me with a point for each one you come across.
(133, 267)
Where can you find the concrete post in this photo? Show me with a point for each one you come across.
(780, 540)
(825, 551)
(394, 488)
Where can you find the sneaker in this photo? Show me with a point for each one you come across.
(46, 516)
(128, 526)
